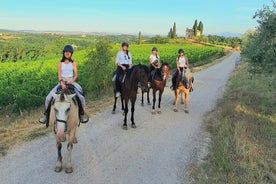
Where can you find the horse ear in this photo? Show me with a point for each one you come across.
(56, 96)
(70, 96)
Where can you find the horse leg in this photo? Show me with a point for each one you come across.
(142, 101)
(148, 96)
(59, 160)
(186, 102)
(72, 135)
(182, 98)
(114, 106)
(176, 100)
(122, 102)
(69, 168)
(125, 111)
(159, 102)
(153, 101)
(132, 112)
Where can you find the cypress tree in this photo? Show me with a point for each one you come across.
(195, 28)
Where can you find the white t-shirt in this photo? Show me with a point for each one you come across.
(154, 59)
(67, 69)
(182, 62)
(123, 59)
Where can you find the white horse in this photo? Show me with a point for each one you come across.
(64, 119)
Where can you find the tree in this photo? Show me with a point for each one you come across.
(140, 38)
(200, 27)
(195, 28)
(97, 66)
(174, 31)
(170, 34)
(260, 47)
(158, 39)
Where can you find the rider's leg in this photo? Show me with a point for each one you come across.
(83, 116)
(44, 119)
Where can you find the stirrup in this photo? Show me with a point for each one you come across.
(43, 119)
(84, 118)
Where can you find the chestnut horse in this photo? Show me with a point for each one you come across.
(183, 85)
(133, 76)
(158, 84)
(64, 119)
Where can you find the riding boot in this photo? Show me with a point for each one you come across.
(174, 81)
(84, 118)
(192, 89)
(45, 119)
(82, 115)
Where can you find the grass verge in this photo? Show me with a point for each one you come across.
(243, 132)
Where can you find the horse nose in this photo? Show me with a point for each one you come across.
(145, 88)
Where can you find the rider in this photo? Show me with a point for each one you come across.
(182, 64)
(67, 74)
(123, 62)
(154, 62)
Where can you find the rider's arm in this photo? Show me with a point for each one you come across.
(75, 73)
(177, 65)
(63, 86)
(187, 62)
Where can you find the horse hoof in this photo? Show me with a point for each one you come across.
(182, 102)
(58, 169)
(142, 104)
(186, 111)
(113, 112)
(153, 112)
(75, 140)
(133, 126)
(173, 103)
(69, 169)
(175, 110)
(125, 127)
(149, 103)
(159, 112)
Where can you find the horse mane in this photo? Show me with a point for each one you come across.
(130, 70)
(165, 64)
(67, 91)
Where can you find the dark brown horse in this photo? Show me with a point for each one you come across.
(183, 86)
(136, 74)
(158, 83)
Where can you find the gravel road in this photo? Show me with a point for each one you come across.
(158, 151)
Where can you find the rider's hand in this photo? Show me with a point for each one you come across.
(70, 82)
(63, 86)
(124, 68)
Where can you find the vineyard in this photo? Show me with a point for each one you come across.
(25, 84)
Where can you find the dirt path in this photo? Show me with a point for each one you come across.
(157, 151)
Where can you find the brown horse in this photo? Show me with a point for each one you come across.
(136, 74)
(158, 84)
(183, 85)
(64, 119)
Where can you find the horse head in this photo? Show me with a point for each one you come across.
(61, 106)
(187, 78)
(165, 71)
(143, 74)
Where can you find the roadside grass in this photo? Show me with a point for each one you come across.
(243, 132)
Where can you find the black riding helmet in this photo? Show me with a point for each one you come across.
(154, 48)
(68, 48)
(180, 50)
(124, 44)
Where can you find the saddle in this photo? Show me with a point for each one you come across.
(68, 91)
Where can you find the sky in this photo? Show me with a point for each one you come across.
(130, 16)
